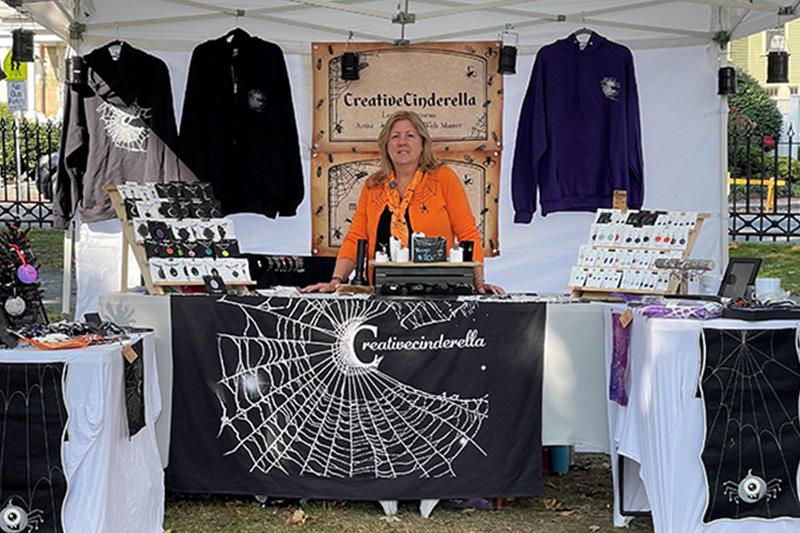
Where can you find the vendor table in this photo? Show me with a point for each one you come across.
(357, 398)
(573, 391)
(114, 482)
(661, 431)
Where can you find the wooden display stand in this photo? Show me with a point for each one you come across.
(601, 293)
(129, 241)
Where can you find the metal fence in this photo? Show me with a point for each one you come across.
(763, 195)
(30, 152)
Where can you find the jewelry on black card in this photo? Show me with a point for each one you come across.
(229, 248)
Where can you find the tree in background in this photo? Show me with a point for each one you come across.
(36, 141)
(754, 128)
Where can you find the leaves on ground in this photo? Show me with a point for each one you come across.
(551, 504)
(298, 518)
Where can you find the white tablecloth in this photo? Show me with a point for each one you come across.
(662, 427)
(115, 484)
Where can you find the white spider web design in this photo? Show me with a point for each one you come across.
(32, 479)
(301, 402)
(118, 122)
(750, 381)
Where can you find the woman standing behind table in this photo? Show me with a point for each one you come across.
(412, 191)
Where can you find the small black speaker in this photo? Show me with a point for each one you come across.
(778, 67)
(508, 60)
(75, 72)
(350, 66)
(726, 81)
(21, 45)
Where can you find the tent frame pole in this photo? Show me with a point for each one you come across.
(723, 142)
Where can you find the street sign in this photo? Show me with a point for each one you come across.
(17, 96)
(14, 70)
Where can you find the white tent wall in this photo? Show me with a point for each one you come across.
(681, 131)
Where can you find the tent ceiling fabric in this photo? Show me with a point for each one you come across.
(181, 24)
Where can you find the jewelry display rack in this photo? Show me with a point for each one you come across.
(129, 241)
(613, 274)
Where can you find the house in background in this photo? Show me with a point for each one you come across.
(750, 54)
(45, 74)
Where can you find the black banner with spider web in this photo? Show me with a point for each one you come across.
(366, 399)
(750, 381)
(33, 416)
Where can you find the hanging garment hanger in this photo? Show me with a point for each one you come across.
(114, 48)
(583, 36)
(585, 30)
(236, 33)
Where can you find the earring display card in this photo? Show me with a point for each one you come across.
(200, 191)
(233, 270)
(150, 209)
(578, 276)
(194, 269)
(157, 272)
(622, 249)
(178, 235)
(225, 228)
(183, 230)
(159, 230)
(131, 209)
(226, 249)
(141, 229)
(205, 230)
(208, 210)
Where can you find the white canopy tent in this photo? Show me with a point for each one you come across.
(675, 45)
(181, 24)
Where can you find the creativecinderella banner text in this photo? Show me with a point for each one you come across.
(453, 86)
(409, 99)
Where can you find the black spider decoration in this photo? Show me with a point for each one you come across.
(749, 383)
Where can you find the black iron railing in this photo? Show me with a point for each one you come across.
(763, 186)
(29, 152)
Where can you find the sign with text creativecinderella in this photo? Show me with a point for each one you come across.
(358, 399)
(337, 179)
(454, 87)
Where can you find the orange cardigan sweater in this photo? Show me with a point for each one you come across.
(439, 208)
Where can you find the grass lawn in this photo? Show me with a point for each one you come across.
(48, 245)
(778, 260)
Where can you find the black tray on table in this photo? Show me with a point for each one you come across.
(762, 313)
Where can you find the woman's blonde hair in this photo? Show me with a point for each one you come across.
(427, 161)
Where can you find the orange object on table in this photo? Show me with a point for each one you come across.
(77, 342)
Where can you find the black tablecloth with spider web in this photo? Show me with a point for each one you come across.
(749, 384)
(33, 416)
(350, 398)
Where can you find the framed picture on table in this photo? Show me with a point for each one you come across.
(740, 273)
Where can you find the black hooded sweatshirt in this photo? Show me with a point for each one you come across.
(238, 129)
(118, 127)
